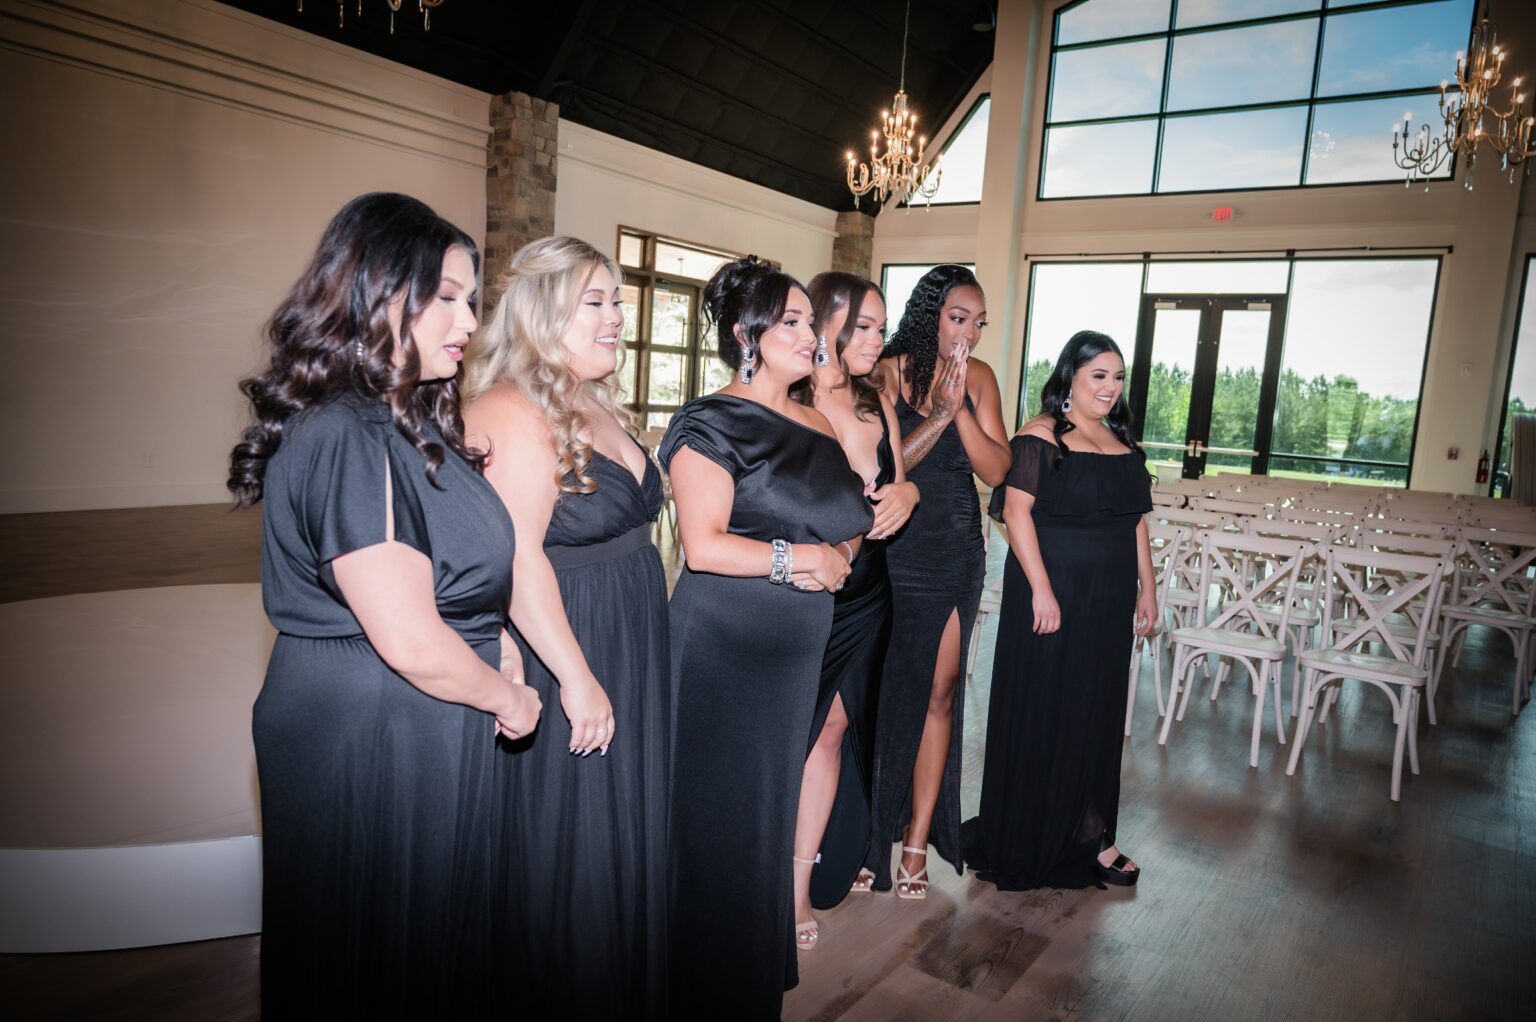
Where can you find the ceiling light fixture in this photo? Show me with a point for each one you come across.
(900, 170)
(425, 7)
(1467, 115)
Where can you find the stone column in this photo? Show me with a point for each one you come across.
(854, 247)
(519, 180)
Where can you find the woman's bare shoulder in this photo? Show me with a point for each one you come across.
(1042, 426)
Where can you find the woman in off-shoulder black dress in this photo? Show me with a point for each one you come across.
(749, 467)
(1074, 502)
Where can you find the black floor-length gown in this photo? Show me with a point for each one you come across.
(1050, 786)
(861, 630)
(746, 663)
(586, 836)
(378, 853)
(937, 563)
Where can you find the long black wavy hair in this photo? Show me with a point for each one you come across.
(829, 292)
(749, 293)
(917, 336)
(331, 335)
(1083, 347)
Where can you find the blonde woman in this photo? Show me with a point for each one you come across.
(586, 832)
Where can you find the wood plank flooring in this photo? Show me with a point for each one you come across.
(1265, 897)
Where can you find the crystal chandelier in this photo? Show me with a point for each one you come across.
(424, 7)
(1469, 118)
(900, 170)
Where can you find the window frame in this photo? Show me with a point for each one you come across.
(1271, 454)
(645, 279)
(1527, 271)
(1162, 115)
(959, 130)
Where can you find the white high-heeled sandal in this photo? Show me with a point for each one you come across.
(810, 930)
(908, 880)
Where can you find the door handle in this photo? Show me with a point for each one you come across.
(1194, 448)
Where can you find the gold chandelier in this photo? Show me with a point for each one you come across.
(425, 8)
(1468, 116)
(900, 170)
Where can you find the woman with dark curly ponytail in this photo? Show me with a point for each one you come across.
(771, 517)
(952, 428)
(386, 572)
(1074, 502)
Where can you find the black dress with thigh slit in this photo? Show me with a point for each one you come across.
(586, 836)
(380, 867)
(746, 665)
(1050, 787)
(937, 564)
(861, 630)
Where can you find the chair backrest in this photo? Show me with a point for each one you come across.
(1308, 531)
(1220, 506)
(1495, 568)
(1381, 585)
(1192, 519)
(1257, 576)
(1168, 544)
(1405, 543)
(1165, 498)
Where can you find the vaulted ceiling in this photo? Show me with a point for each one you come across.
(772, 91)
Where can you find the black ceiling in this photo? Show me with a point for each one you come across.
(773, 91)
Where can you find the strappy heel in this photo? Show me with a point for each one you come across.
(907, 883)
(810, 932)
(863, 883)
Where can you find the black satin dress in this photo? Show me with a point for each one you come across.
(1050, 787)
(586, 836)
(380, 868)
(746, 666)
(937, 563)
(861, 630)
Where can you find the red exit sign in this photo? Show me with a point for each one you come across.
(1222, 214)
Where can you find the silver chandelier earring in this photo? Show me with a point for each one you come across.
(1066, 404)
(362, 352)
(822, 358)
(748, 367)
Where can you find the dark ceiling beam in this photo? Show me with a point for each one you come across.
(725, 99)
(891, 71)
(573, 32)
(621, 111)
(918, 42)
(742, 53)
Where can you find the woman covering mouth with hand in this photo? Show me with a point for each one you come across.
(586, 832)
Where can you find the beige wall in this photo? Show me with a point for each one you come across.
(1474, 309)
(605, 181)
(170, 167)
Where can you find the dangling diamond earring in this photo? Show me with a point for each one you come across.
(822, 358)
(362, 352)
(748, 367)
(1066, 404)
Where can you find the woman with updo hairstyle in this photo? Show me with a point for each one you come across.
(952, 433)
(832, 835)
(586, 833)
(1074, 501)
(771, 518)
(386, 570)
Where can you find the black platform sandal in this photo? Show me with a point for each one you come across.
(1116, 873)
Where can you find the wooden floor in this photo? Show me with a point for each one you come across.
(1264, 897)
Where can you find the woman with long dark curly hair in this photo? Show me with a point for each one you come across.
(952, 428)
(1074, 502)
(771, 517)
(386, 570)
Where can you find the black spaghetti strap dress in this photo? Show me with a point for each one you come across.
(1050, 785)
(380, 867)
(586, 836)
(937, 563)
(861, 630)
(746, 667)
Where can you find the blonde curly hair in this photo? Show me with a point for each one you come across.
(521, 344)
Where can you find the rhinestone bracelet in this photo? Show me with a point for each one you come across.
(783, 562)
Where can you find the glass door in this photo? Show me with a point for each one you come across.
(666, 360)
(1203, 381)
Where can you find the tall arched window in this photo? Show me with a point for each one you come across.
(1156, 96)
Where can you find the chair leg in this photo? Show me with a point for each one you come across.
(1157, 675)
(1432, 685)
(1189, 686)
(1413, 731)
(1329, 698)
(1275, 685)
(970, 656)
(1303, 721)
(1223, 672)
(1260, 683)
(1397, 749)
(1175, 672)
(1461, 641)
(1130, 694)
